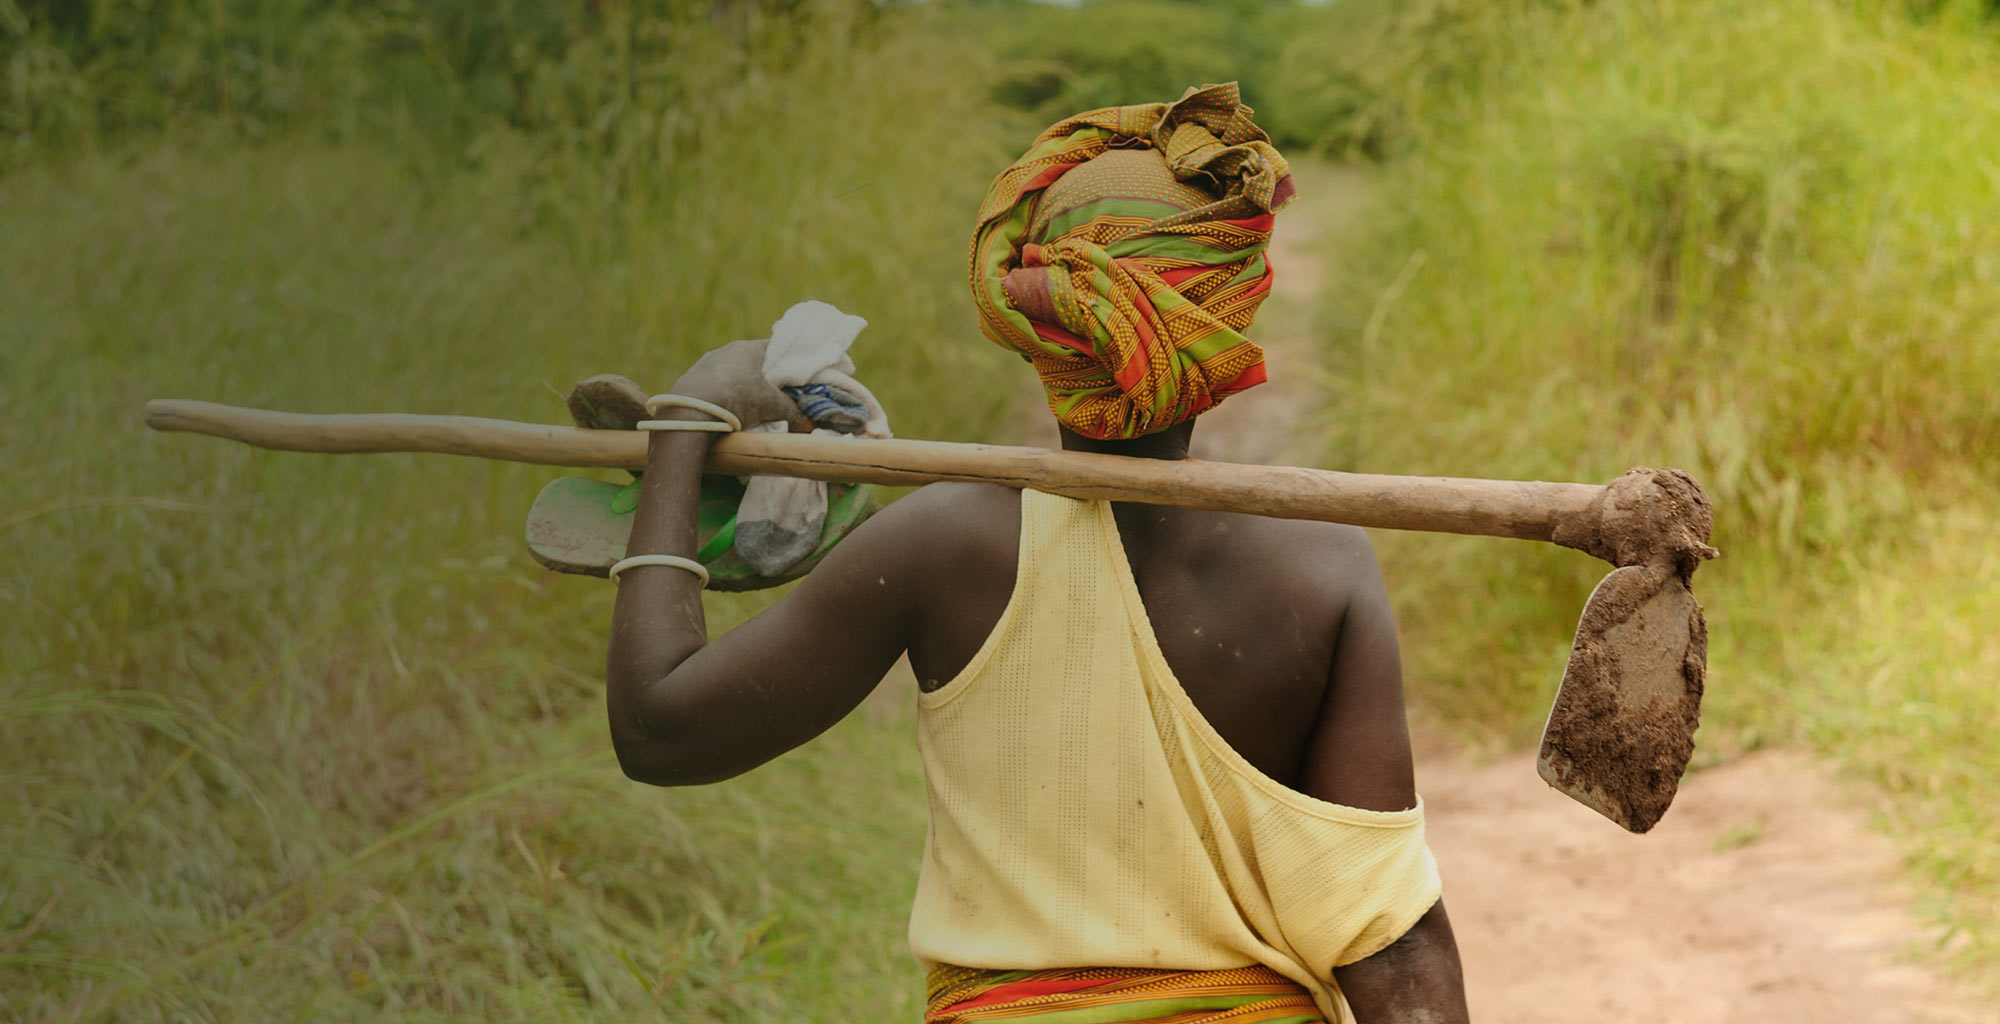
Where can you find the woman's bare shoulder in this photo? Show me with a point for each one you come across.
(1330, 558)
(942, 522)
(964, 506)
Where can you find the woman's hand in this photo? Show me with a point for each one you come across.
(733, 377)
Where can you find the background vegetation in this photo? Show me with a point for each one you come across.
(310, 738)
(299, 738)
(1759, 245)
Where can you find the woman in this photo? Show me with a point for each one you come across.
(1168, 767)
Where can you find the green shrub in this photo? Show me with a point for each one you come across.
(1355, 78)
(82, 70)
(1114, 53)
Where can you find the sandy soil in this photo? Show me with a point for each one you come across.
(1762, 896)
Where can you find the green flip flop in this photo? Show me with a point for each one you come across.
(579, 525)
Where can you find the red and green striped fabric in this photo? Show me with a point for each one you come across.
(1123, 255)
(1117, 995)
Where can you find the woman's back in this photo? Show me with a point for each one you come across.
(1279, 631)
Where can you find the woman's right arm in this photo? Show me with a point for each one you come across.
(1415, 980)
(1360, 756)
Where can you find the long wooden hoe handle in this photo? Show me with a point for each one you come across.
(1491, 508)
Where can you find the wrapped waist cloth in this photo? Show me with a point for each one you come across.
(1117, 995)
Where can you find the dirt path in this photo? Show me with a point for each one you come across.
(1763, 896)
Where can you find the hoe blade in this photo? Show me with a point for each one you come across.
(1622, 728)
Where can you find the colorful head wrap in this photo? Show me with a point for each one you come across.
(1123, 255)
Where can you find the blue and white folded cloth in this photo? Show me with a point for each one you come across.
(780, 520)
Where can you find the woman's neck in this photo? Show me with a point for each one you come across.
(1141, 527)
(1170, 444)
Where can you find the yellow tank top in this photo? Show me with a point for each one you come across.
(1084, 813)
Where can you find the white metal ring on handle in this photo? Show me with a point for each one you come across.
(655, 403)
(671, 561)
(707, 426)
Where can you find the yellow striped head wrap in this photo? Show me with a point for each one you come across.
(1123, 255)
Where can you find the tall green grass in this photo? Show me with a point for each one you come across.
(298, 737)
(1761, 243)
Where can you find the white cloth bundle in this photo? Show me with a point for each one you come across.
(781, 518)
